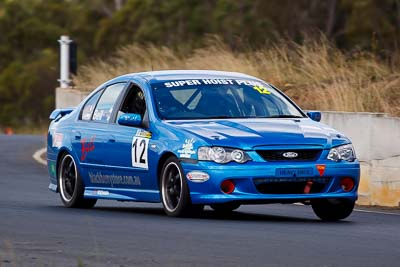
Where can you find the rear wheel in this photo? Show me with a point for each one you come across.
(332, 209)
(225, 207)
(175, 194)
(71, 186)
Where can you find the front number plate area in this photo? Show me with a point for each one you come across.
(294, 172)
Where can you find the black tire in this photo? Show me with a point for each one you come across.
(70, 185)
(225, 207)
(175, 195)
(332, 209)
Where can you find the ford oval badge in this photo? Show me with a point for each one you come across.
(290, 155)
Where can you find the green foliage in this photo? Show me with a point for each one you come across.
(30, 29)
(26, 90)
(29, 54)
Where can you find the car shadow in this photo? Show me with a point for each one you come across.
(216, 216)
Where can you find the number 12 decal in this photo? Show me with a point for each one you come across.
(139, 152)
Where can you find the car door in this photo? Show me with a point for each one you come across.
(91, 134)
(128, 146)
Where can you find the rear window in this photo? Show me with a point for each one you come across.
(107, 101)
(88, 108)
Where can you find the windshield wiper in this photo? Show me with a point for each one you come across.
(285, 116)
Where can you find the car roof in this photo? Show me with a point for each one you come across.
(167, 75)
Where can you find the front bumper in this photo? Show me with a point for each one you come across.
(249, 176)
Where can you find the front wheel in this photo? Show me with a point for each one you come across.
(71, 186)
(175, 194)
(332, 209)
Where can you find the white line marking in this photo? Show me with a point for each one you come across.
(377, 212)
(37, 156)
(365, 211)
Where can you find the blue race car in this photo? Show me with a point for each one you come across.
(194, 138)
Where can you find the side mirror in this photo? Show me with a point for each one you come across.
(314, 115)
(130, 119)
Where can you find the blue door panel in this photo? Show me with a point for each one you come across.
(88, 140)
(122, 159)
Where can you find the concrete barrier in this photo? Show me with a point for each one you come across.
(66, 98)
(376, 138)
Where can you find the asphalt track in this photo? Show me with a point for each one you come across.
(36, 230)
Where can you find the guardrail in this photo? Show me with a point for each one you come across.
(376, 138)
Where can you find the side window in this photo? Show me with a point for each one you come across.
(88, 108)
(106, 103)
(134, 102)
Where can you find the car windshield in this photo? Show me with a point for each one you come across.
(220, 98)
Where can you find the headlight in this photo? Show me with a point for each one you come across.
(222, 154)
(345, 152)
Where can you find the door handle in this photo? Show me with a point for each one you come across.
(111, 139)
(78, 136)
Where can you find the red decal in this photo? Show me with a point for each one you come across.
(321, 169)
(87, 147)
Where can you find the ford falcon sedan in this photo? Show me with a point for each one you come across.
(193, 138)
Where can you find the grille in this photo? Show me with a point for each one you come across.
(290, 185)
(302, 155)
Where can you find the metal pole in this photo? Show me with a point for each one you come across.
(64, 61)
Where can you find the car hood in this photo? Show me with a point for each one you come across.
(251, 133)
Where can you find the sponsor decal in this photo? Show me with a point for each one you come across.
(260, 87)
(87, 112)
(197, 176)
(102, 192)
(291, 179)
(52, 169)
(182, 83)
(139, 152)
(294, 172)
(217, 81)
(57, 139)
(187, 149)
(98, 115)
(321, 169)
(87, 146)
(143, 133)
(113, 179)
